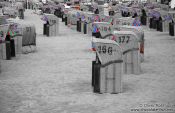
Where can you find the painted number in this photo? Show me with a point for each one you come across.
(53, 21)
(125, 23)
(105, 50)
(28, 29)
(123, 39)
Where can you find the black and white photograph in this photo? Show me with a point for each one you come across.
(87, 56)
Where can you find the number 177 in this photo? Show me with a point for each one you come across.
(123, 39)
